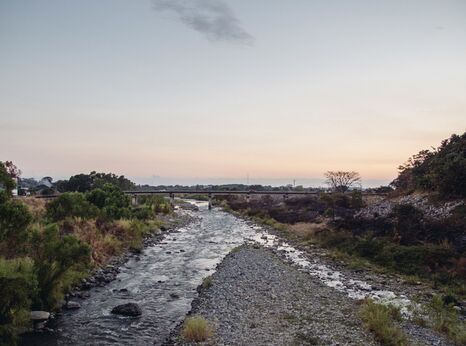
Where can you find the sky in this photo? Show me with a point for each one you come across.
(200, 91)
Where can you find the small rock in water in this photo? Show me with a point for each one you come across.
(37, 316)
(72, 305)
(174, 295)
(128, 309)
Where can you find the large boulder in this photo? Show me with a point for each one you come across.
(128, 309)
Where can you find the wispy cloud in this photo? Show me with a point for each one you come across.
(212, 18)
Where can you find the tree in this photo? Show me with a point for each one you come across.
(93, 180)
(8, 172)
(341, 181)
(441, 170)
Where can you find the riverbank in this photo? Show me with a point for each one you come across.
(102, 276)
(162, 281)
(257, 297)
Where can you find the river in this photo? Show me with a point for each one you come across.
(175, 266)
(163, 281)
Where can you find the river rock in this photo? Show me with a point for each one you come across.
(72, 305)
(128, 309)
(37, 316)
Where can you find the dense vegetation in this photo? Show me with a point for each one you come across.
(46, 248)
(93, 180)
(407, 240)
(441, 170)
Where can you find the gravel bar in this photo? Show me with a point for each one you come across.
(258, 299)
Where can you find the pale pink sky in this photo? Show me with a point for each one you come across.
(281, 90)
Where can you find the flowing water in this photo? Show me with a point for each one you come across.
(163, 281)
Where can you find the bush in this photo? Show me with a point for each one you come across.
(71, 204)
(207, 282)
(113, 203)
(18, 285)
(14, 220)
(158, 204)
(55, 257)
(196, 329)
(142, 213)
(379, 319)
(408, 223)
(445, 319)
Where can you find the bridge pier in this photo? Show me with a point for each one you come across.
(172, 199)
(210, 201)
(134, 200)
(248, 198)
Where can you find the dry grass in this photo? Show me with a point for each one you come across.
(307, 231)
(197, 329)
(36, 206)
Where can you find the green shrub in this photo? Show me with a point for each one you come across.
(208, 281)
(112, 201)
(18, 285)
(55, 257)
(71, 204)
(379, 319)
(14, 220)
(142, 213)
(158, 204)
(445, 319)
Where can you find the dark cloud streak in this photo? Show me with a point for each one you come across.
(212, 18)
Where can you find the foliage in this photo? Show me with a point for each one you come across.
(441, 170)
(17, 285)
(158, 204)
(379, 319)
(445, 319)
(197, 329)
(113, 203)
(208, 281)
(86, 182)
(8, 171)
(54, 257)
(71, 204)
(433, 261)
(341, 181)
(407, 223)
(14, 220)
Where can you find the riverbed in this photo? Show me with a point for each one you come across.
(163, 279)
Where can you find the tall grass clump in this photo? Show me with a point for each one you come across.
(197, 329)
(445, 319)
(379, 319)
